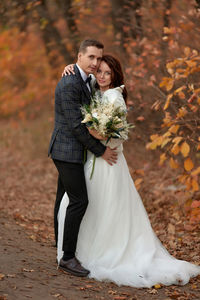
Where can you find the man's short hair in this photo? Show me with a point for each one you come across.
(89, 43)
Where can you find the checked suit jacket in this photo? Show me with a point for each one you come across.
(70, 137)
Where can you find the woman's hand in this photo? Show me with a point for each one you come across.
(68, 70)
(95, 134)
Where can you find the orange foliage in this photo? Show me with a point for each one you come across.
(25, 77)
(181, 124)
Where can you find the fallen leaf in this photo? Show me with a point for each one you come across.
(27, 270)
(171, 228)
(141, 119)
(153, 291)
(1, 276)
(157, 286)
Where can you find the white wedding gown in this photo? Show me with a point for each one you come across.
(116, 241)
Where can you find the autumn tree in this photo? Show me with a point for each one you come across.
(179, 137)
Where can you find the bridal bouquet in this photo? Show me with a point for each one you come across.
(107, 119)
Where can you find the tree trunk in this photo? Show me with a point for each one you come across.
(126, 18)
(165, 36)
(51, 35)
(69, 16)
(3, 13)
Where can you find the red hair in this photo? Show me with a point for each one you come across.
(117, 77)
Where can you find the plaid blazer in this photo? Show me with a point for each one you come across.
(70, 137)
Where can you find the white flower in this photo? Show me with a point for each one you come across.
(95, 115)
(87, 118)
(111, 118)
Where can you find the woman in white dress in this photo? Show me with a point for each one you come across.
(116, 241)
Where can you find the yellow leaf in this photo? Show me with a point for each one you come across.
(182, 178)
(196, 172)
(174, 128)
(191, 63)
(179, 89)
(173, 163)
(166, 134)
(163, 82)
(138, 182)
(188, 184)
(170, 84)
(194, 286)
(167, 119)
(159, 140)
(181, 112)
(153, 137)
(185, 149)
(167, 140)
(169, 97)
(152, 145)
(170, 71)
(175, 149)
(177, 139)
(181, 95)
(188, 164)
(163, 157)
(170, 65)
(157, 286)
(168, 30)
(195, 185)
(196, 91)
(198, 100)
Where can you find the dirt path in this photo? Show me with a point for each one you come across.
(28, 271)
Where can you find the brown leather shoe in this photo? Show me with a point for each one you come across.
(73, 267)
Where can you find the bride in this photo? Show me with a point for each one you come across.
(116, 241)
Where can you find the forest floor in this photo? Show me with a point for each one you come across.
(28, 267)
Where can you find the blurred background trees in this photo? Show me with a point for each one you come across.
(38, 38)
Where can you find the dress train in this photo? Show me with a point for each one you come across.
(116, 241)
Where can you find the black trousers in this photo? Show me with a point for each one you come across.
(71, 179)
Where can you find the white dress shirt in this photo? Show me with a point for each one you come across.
(84, 77)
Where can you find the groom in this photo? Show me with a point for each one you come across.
(69, 139)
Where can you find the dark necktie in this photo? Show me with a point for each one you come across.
(88, 79)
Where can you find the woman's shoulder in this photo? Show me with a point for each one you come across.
(117, 91)
(114, 95)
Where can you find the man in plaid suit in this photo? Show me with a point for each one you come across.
(69, 139)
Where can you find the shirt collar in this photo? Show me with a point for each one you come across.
(83, 74)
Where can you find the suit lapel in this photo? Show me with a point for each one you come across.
(83, 85)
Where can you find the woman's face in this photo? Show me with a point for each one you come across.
(103, 76)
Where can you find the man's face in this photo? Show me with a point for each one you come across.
(90, 60)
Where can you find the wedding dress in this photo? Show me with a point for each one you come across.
(116, 241)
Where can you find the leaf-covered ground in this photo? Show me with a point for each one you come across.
(28, 261)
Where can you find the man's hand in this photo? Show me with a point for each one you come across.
(95, 134)
(110, 155)
(68, 70)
